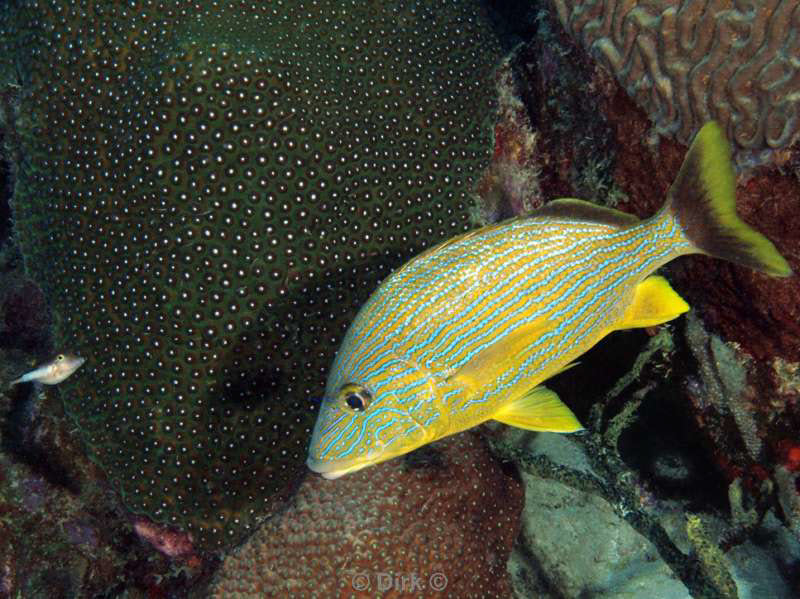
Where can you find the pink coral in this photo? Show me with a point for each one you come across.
(446, 523)
(169, 542)
(510, 185)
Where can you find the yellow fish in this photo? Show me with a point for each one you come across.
(467, 331)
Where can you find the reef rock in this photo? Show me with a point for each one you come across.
(575, 544)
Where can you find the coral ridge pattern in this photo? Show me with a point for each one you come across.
(687, 62)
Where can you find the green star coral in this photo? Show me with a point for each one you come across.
(208, 193)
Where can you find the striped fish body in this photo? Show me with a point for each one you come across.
(467, 331)
(545, 289)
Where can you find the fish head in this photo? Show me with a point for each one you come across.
(370, 420)
(62, 366)
(69, 362)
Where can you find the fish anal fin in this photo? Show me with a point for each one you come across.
(654, 302)
(539, 409)
(496, 359)
(586, 211)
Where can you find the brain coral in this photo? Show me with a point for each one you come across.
(686, 62)
(449, 520)
(207, 193)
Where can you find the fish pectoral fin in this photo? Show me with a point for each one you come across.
(501, 355)
(539, 409)
(654, 302)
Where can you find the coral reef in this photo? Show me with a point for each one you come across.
(556, 82)
(444, 517)
(752, 440)
(788, 490)
(713, 561)
(720, 389)
(510, 185)
(169, 542)
(62, 534)
(687, 62)
(761, 315)
(631, 167)
(206, 193)
(729, 396)
(591, 486)
(756, 319)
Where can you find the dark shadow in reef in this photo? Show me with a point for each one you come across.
(254, 375)
(665, 445)
(27, 340)
(424, 457)
(25, 320)
(6, 191)
(514, 21)
(19, 440)
(596, 371)
(272, 378)
(5, 196)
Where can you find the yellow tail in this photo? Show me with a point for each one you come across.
(703, 200)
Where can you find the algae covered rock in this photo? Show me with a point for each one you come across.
(207, 193)
(575, 543)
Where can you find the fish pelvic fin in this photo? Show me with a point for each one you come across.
(703, 200)
(539, 409)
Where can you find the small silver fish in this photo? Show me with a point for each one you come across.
(52, 373)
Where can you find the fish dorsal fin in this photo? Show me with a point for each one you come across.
(499, 356)
(539, 409)
(586, 211)
(654, 302)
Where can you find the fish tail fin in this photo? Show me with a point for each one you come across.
(703, 201)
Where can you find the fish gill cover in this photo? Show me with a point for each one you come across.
(208, 192)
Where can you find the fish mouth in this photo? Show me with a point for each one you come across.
(333, 469)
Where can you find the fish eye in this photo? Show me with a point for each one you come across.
(60, 357)
(355, 401)
(357, 397)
